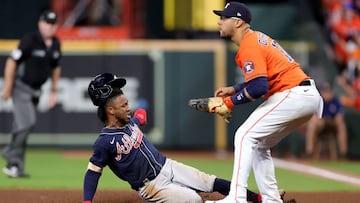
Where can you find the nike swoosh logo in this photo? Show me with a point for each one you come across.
(306, 90)
(112, 141)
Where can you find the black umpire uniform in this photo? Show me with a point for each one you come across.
(30, 65)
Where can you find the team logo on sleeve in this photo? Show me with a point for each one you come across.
(248, 67)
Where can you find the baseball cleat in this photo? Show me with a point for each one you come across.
(10, 171)
(14, 172)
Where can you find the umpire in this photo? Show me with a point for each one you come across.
(27, 68)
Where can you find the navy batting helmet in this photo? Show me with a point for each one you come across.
(102, 87)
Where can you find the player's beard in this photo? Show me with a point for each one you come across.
(122, 121)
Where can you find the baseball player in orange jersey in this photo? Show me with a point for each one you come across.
(291, 99)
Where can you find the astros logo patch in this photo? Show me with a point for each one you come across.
(248, 67)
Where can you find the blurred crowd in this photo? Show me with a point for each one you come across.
(343, 28)
(328, 136)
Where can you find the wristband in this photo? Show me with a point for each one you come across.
(240, 98)
(228, 102)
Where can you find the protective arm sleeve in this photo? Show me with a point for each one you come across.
(90, 184)
(255, 88)
(238, 87)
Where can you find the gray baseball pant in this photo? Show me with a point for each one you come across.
(24, 111)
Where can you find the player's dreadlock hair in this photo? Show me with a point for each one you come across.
(101, 111)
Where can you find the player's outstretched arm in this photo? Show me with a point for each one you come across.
(91, 180)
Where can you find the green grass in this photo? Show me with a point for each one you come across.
(351, 167)
(51, 169)
(297, 182)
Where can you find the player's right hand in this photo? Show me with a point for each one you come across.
(224, 91)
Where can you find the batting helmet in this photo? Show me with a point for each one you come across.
(102, 87)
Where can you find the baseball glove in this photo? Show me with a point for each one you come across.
(218, 105)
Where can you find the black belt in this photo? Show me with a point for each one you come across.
(305, 83)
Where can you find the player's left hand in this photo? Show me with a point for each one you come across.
(219, 105)
(141, 115)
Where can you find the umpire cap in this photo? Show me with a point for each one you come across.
(235, 9)
(104, 86)
(49, 17)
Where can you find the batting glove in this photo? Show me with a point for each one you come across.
(141, 115)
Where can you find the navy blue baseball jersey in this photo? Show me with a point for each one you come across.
(128, 153)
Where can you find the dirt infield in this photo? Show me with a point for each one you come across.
(126, 196)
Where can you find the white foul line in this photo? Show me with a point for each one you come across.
(316, 171)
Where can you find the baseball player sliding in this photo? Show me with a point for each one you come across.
(271, 73)
(123, 147)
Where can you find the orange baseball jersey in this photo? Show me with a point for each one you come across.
(259, 55)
